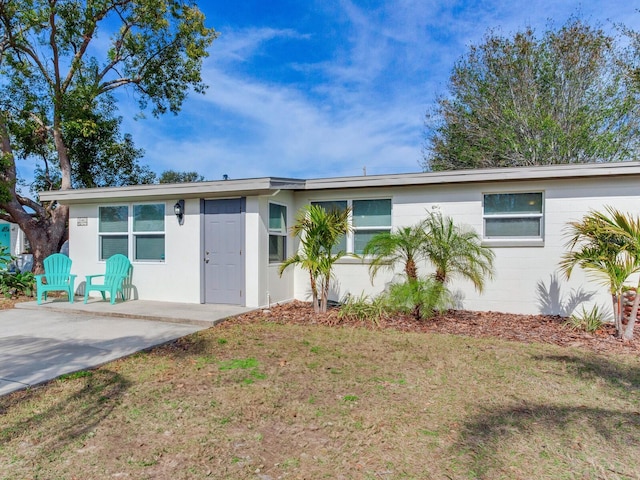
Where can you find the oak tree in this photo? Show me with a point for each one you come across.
(61, 61)
(564, 97)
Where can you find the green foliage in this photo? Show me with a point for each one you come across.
(319, 231)
(420, 298)
(100, 155)
(587, 320)
(75, 375)
(607, 247)
(173, 176)
(13, 284)
(404, 246)
(57, 92)
(363, 308)
(239, 363)
(456, 251)
(562, 97)
(451, 249)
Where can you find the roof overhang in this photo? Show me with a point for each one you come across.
(546, 172)
(174, 191)
(271, 185)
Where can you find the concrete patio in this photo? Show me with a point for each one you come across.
(41, 342)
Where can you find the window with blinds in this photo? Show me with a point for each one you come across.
(368, 218)
(139, 229)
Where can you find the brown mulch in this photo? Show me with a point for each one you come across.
(520, 328)
(505, 326)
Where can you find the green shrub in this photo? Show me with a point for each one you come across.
(587, 320)
(13, 284)
(421, 298)
(363, 308)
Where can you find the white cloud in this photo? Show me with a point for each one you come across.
(362, 104)
(240, 45)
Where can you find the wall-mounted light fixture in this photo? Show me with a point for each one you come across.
(178, 209)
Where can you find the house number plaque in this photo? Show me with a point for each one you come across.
(82, 222)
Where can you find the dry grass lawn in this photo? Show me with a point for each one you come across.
(268, 401)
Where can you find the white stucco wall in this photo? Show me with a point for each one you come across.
(177, 279)
(275, 288)
(527, 279)
(523, 274)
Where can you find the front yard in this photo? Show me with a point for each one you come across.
(264, 398)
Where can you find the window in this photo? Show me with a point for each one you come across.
(148, 232)
(113, 228)
(277, 233)
(368, 218)
(513, 216)
(144, 235)
(340, 206)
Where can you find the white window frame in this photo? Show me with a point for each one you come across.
(351, 234)
(514, 240)
(278, 233)
(114, 234)
(131, 234)
(154, 233)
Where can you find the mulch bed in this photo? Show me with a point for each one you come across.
(520, 328)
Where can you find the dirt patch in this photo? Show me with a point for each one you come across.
(521, 328)
(7, 303)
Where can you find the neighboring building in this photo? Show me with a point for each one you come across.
(16, 244)
(229, 243)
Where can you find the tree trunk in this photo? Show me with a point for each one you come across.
(314, 293)
(617, 314)
(45, 228)
(410, 269)
(628, 332)
(325, 295)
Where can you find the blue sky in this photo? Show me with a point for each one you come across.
(306, 88)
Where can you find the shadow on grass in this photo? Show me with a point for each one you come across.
(488, 440)
(486, 437)
(195, 344)
(625, 377)
(82, 404)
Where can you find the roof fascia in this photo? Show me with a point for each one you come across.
(476, 176)
(217, 189)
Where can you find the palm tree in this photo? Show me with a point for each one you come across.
(388, 249)
(607, 247)
(453, 250)
(319, 232)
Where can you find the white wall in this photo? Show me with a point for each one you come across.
(177, 279)
(275, 288)
(523, 274)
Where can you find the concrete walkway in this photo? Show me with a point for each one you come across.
(40, 343)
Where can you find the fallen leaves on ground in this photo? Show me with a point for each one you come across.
(505, 326)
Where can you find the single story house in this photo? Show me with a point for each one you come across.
(229, 237)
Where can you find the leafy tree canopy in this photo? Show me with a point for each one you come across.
(173, 176)
(563, 97)
(60, 63)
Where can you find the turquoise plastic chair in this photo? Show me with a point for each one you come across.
(117, 270)
(58, 277)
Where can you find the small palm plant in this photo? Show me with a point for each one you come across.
(456, 251)
(319, 232)
(404, 246)
(451, 250)
(607, 246)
